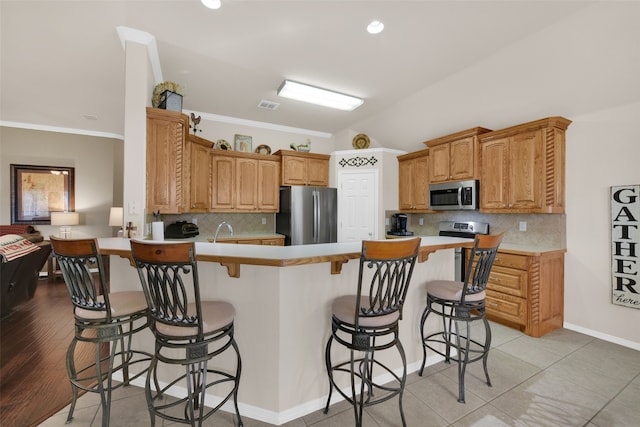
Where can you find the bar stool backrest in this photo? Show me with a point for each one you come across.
(480, 263)
(164, 270)
(76, 259)
(388, 266)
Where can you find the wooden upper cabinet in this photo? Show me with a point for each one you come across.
(223, 170)
(268, 185)
(523, 168)
(455, 157)
(200, 173)
(413, 181)
(304, 168)
(244, 182)
(166, 165)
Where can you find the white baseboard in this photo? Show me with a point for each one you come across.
(602, 336)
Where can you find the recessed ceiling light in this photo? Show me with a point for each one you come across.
(212, 4)
(375, 27)
(315, 95)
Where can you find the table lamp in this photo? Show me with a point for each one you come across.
(116, 218)
(65, 220)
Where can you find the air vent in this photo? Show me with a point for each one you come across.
(268, 105)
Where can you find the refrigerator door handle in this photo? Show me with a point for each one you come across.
(316, 215)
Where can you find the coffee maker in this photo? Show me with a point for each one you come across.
(399, 225)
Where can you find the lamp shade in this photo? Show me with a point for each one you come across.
(116, 217)
(65, 218)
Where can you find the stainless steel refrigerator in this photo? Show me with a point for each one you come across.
(308, 215)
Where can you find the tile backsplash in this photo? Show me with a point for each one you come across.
(242, 223)
(548, 230)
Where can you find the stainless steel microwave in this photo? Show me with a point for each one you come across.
(458, 195)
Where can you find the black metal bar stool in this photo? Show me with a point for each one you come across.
(101, 318)
(464, 302)
(368, 322)
(188, 332)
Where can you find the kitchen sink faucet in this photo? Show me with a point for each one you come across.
(220, 226)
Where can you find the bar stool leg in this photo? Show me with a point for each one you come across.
(71, 371)
(327, 361)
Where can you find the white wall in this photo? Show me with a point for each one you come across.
(603, 150)
(92, 158)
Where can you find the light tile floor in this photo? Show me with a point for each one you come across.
(562, 379)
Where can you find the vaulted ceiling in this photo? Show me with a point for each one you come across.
(62, 62)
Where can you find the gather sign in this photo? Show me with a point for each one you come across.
(625, 237)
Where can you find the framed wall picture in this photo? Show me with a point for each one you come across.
(243, 143)
(36, 191)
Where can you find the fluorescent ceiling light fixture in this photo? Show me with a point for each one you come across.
(212, 4)
(319, 96)
(375, 27)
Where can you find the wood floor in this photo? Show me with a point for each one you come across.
(33, 344)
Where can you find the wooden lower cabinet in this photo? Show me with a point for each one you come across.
(526, 291)
(272, 241)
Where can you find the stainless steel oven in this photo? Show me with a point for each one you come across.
(465, 229)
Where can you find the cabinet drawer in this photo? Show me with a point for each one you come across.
(520, 262)
(273, 242)
(508, 280)
(507, 307)
(249, 242)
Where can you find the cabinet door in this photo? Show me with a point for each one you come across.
(463, 156)
(420, 193)
(200, 178)
(268, 186)
(272, 242)
(493, 187)
(166, 136)
(246, 184)
(294, 171)
(405, 185)
(439, 160)
(525, 171)
(318, 172)
(222, 183)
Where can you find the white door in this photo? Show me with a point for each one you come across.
(357, 205)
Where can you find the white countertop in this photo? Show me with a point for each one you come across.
(274, 252)
(525, 248)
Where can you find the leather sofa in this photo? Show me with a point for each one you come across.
(19, 277)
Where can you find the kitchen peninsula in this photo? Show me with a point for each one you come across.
(282, 297)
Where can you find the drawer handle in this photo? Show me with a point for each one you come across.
(492, 304)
